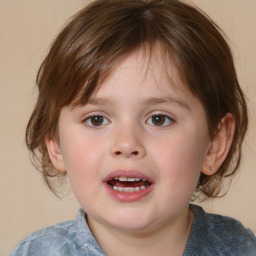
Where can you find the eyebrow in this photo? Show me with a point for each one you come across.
(99, 101)
(146, 101)
(162, 100)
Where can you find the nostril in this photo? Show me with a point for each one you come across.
(133, 153)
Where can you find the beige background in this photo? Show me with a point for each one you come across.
(26, 29)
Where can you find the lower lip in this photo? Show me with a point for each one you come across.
(128, 196)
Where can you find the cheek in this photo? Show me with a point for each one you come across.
(82, 174)
(79, 151)
(179, 180)
(182, 152)
(81, 162)
(181, 158)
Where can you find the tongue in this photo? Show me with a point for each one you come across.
(124, 184)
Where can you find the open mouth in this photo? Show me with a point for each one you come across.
(128, 185)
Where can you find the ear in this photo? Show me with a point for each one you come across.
(55, 154)
(220, 145)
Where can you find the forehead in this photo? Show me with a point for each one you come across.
(146, 66)
(147, 79)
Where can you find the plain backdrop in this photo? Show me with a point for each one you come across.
(27, 27)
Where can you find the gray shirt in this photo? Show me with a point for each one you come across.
(210, 235)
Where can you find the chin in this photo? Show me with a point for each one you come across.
(131, 221)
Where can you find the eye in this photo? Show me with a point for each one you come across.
(160, 120)
(96, 121)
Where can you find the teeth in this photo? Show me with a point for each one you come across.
(131, 179)
(123, 179)
(128, 179)
(128, 189)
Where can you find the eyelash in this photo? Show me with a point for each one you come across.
(165, 121)
(88, 121)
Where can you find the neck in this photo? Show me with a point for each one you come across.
(168, 238)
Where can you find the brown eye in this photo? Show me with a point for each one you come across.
(160, 120)
(96, 121)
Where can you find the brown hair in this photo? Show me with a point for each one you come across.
(106, 31)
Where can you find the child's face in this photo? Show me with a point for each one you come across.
(137, 125)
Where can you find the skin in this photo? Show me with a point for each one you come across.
(172, 153)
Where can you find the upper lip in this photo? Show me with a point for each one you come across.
(128, 173)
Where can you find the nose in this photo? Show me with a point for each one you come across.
(128, 143)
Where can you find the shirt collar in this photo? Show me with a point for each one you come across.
(81, 235)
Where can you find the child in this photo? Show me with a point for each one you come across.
(140, 107)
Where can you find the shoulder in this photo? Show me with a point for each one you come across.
(46, 241)
(225, 235)
(229, 231)
(72, 238)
